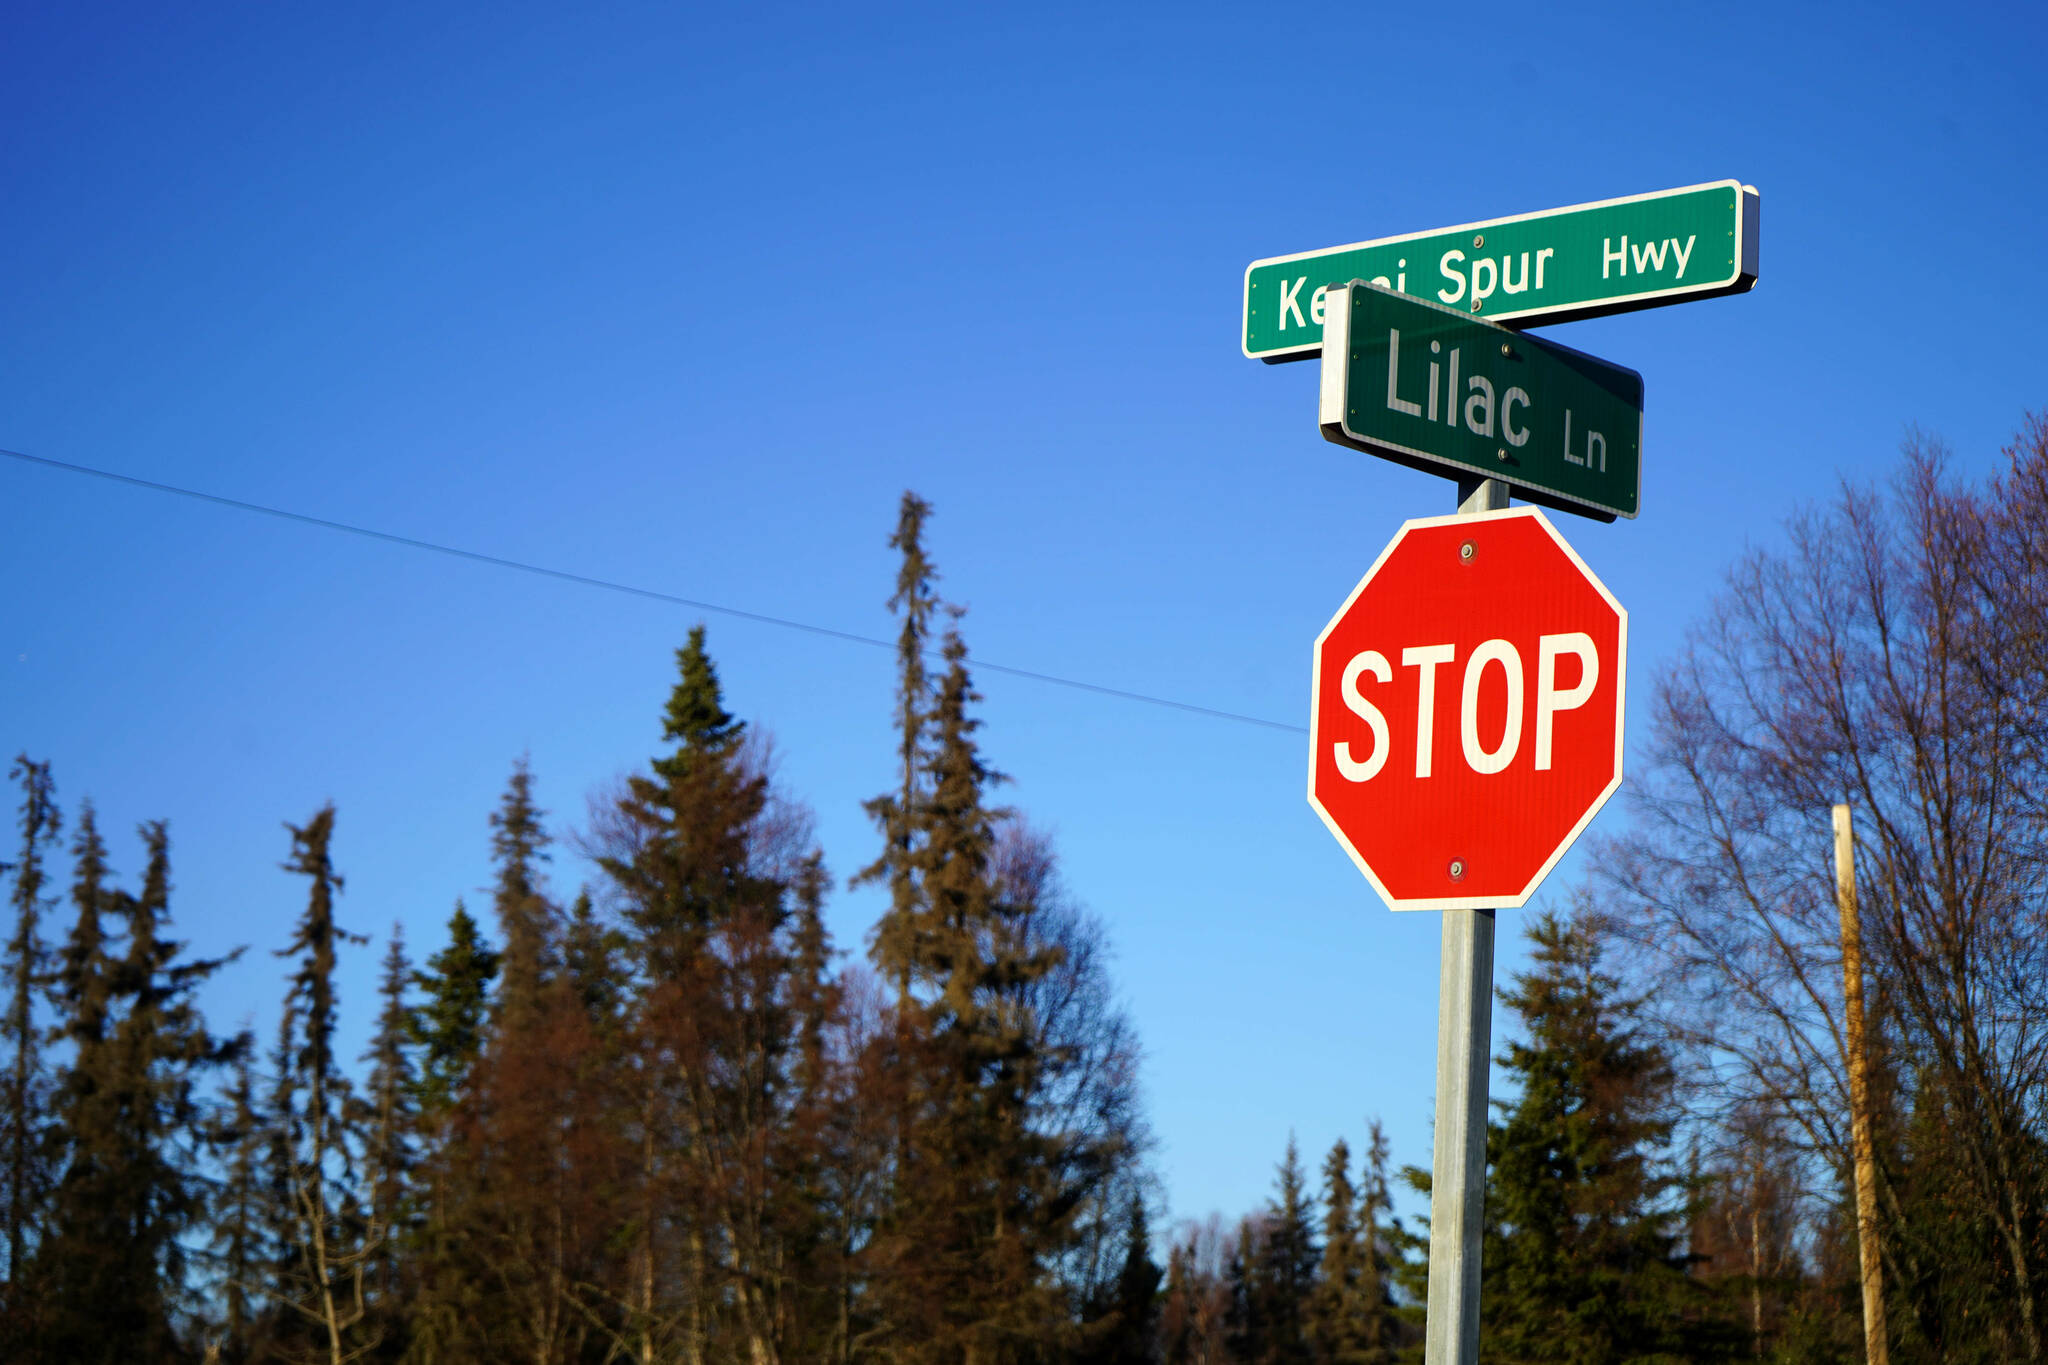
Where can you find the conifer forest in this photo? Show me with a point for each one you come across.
(660, 1116)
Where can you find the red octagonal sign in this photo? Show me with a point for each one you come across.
(1468, 702)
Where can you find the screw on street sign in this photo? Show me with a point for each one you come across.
(1445, 392)
(1468, 705)
(1583, 261)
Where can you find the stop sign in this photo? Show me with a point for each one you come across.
(1467, 716)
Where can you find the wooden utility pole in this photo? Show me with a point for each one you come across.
(1874, 1350)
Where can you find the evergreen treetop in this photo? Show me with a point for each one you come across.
(112, 1260)
(1124, 1323)
(957, 954)
(83, 981)
(696, 718)
(325, 1235)
(685, 860)
(984, 1207)
(1247, 1295)
(590, 964)
(1352, 1318)
(899, 813)
(239, 1248)
(448, 1025)
(526, 920)
(391, 1147)
(1583, 1259)
(1289, 1258)
(311, 999)
(915, 602)
(25, 1116)
(1336, 1327)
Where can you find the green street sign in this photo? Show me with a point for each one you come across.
(1579, 262)
(1442, 391)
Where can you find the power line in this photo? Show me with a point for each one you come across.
(633, 590)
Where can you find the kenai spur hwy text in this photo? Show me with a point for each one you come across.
(1582, 261)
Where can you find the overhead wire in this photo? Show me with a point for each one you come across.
(631, 589)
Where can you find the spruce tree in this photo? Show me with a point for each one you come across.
(279, 1328)
(1384, 1261)
(165, 1050)
(718, 936)
(26, 1115)
(1336, 1322)
(695, 717)
(814, 998)
(330, 1238)
(981, 1183)
(963, 903)
(1290, 1257)
(982, 1208)
(684, 869)
(79, 1262)
(816, 1102)
(114, 1257)
(686, 865)
(897, 948)
(1124, 1327)
(391, 1150)
(84, 978)
(241, 1247)
(1246, 1295)
(1352, 1317)
(526, 920)
(590, 965)
(448, 1024)
(1583, 1260)
(524, 1223)
(1179, 1313)
(588, 1002)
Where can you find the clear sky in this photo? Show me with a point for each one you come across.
(685, 296)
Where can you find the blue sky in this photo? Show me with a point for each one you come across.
(686, 297)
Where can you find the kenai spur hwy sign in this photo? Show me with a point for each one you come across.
(1576, 262)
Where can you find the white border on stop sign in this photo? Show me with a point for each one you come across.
(1620, 712)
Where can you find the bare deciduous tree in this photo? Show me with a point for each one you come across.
(1862, 662)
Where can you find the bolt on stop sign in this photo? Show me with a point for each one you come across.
(1468, 707)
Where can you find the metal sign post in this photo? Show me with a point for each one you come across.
(1457, 1189)
(1466, 725)
(1464, 1051)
